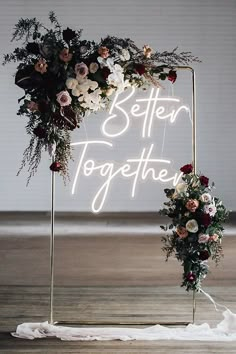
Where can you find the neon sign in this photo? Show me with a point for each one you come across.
(135, 168)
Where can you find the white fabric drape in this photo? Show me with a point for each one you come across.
(224, 331)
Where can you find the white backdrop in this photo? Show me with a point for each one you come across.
(207, 28)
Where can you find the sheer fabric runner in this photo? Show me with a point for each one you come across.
(224, 331)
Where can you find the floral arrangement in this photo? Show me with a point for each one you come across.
(196, 226)
(65, 78)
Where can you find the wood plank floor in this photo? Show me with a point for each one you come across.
(123, 279)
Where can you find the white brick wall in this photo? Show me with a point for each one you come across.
(205, 27)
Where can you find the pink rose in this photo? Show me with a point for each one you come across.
(63, 98)
(93, 67)
(81, 70)
(203, 238)
(181, 232)
(147, 51)
(103, 52)
(33, 106)
(210, 209)
(192, 205)
(65, 55)
(214, 237)
(41, 66)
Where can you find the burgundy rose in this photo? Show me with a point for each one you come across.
(205, 219)
(204, 181)
(187, 169)
(204, 255)
(172, 76)
(68, 34)
(191, 277)
(43, 106)
(140, 69)
(105, 72)
(56, 166)
(40, 132)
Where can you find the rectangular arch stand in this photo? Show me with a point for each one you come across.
(52, 236)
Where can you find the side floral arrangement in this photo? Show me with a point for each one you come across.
(196, 226)
(65, 77)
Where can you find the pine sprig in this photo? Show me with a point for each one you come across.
(28, 28)
(174, 58)
(53, 19)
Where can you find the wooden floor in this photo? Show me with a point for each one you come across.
(103, 279)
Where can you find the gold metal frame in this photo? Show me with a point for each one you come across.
(52, 236)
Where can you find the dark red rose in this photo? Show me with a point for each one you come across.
(43, 106)
(172, 76)
(140, 69)
(187, 169)
(105, 72)
(68, 34)
(56, 166)
(204, 255)
(204, 181)
(32, 48)
(40, 132)
(191, 277)
(205, 219)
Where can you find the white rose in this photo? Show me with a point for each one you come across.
(83, 49)
(124, 55)
(93, 67)
(110, 91)
(71, 83)
(84, 87)
(192, 226)
(203, 238)
(181, 188)
(210, 209)
(205, 197)
(93, 85)
(76, 91)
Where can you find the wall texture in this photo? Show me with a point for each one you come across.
(205, 27)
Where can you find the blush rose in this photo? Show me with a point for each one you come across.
(192, 205)
(63, 98)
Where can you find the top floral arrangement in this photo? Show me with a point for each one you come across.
(65, 77)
